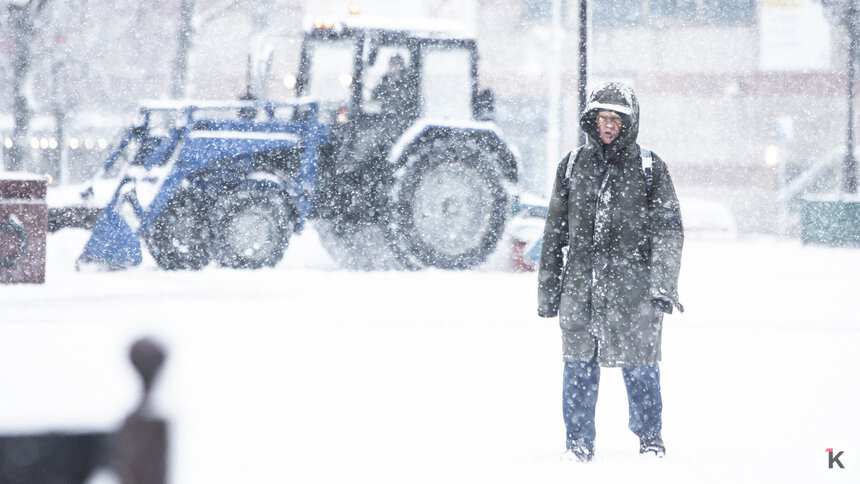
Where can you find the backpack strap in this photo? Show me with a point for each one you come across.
(647, 164)
(571, 160)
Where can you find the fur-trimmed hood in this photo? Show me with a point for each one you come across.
(612, 96)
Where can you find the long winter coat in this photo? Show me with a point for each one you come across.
(624, 244)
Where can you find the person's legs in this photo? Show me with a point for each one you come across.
(581, 379)
(646, 404)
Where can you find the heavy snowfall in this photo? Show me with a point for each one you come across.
(310, 373)
(366, 347)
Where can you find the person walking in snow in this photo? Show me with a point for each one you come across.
(614, 207)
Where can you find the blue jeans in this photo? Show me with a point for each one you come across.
(581, 380)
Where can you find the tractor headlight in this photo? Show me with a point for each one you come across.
(290, 81)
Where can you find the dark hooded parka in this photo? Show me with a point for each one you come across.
(624, 239)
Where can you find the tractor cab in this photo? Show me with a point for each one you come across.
(344, 64)
(375, 82)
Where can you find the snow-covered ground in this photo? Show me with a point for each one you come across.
(309, 374)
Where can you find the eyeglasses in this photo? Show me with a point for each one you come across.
(603, 120)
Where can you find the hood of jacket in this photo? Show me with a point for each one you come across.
(617, 97)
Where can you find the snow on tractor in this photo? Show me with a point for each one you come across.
(390, 148)
(198, 185)
(415, 173)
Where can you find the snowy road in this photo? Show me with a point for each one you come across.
(308, 374)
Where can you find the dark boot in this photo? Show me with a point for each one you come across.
(653, 445)
(579, 453)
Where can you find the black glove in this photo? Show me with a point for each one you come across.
(547, 312)
(663, 305)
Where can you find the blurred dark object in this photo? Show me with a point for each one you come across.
(72, 217)
(140, 448)
(23, 223)
(485, 106)
(137, 452)
(54, 458)
(248, 112)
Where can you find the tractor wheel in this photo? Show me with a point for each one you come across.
(359, 246)
(180, 238)
(450, 205)
(252, 228)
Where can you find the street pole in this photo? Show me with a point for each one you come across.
(257, 88)
(179, 76)
(849, 178)
(583, 60)
(60, 120)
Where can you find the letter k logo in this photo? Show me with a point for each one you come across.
(834, 459)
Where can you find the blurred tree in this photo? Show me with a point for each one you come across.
(191, 23)
(81, 62)
(21, 23)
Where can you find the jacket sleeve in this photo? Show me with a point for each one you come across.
(555, 238)
(666, 232)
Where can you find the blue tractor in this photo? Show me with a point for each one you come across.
(209, 181)
(390, 148)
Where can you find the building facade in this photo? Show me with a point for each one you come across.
(738, 96)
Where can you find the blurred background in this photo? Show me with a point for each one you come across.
(746, 100)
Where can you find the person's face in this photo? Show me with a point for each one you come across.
(395, 67)
(608, 125)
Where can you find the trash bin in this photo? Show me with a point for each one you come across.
(23, 223)
(831, 220)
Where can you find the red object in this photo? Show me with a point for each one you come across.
(23, 223)
(519, 259)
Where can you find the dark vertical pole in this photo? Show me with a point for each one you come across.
(583, 60)
(258, 77)
(56, 155)
(183, 45)
(849, 178)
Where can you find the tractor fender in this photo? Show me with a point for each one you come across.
(488, 135)
(271, 181)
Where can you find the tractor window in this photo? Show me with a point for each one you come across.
(381, 84)
(330, 75)
(446, 83)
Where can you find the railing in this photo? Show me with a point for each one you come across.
(790, 194)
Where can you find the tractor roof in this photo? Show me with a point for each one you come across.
(430, 28)
(214, 105)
